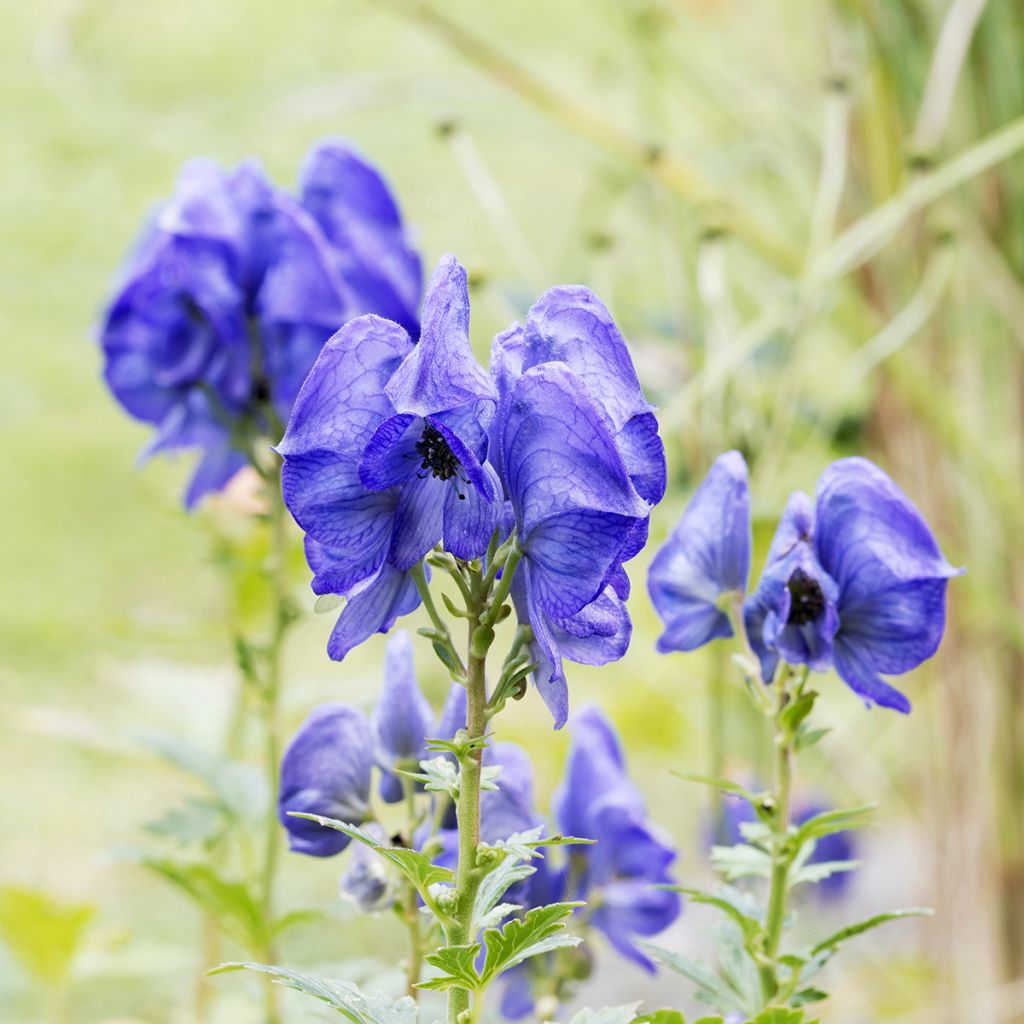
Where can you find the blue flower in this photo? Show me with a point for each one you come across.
(706, 558)
(231, 293)
(402, 719)
(326, 770)
(860, 585)
(598, 801)
(576, 514)
(793, 612)
(365, 879)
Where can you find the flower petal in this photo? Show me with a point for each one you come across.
(860, 676)
(469, 518)
(389, 458)
(441, 372)
(373, 607)
(342, 401)
(419, 519)
(403, 718)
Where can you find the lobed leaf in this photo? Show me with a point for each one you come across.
(457, 965)
(832, 943)
(540, 930)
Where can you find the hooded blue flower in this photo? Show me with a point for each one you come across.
(326, 770)
(793, 612)
(598, 801)
(385, 455)
(860, 585)
(706, 556)
(229, 296)
(576, 514)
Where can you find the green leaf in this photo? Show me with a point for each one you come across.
(723, 784)
(730, 901)
(541, 930)
(711, 988)
(796, 711)
(807, 738)
(832, 943)
(839, 820)
(441, 775)
(493, 886)
(779, 1015)
(741, 861)
(43, 934)
(621, 1015)
(457, 965)
(524, 845)
(665, 1016)
(416, 867)
(821, 870)
(808, 995)
(227, 900)
(342, 996)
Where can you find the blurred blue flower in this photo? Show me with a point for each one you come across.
(326, 770)
(233, 289)
(365, 880)
(860, 584)
(402, 719)
(576, 512)
(598, 801)
(705, 557)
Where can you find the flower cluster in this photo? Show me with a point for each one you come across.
(853, 581)
(398, 445)
(328, 768)
(232, 291)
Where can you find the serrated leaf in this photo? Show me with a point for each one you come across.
(618, 1015)
(663, 1016)
(724, 785)
(43, 935)
(736, 966)
(741, 861)
(712, 990)
(342, 996)
(851, 930)
(779, 1015)
(821, 870)
(493, 886)
(541, 930)
(415, 866)
(840, 820)
(524, 845)
(457, 965)
(725, 899)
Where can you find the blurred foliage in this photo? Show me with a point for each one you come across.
(772, 198)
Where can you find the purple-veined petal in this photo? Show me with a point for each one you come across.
(862, 678)
(442, 373)
(633, 908)
(419, 519)
(342, 401)
(389, 458)
(469, 518)
(373, 607)
(705, 556)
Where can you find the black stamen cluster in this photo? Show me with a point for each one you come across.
(437, 457)
(807, 600)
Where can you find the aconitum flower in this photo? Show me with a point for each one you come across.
(385, 456)
(326, 770)
(860, 585)
(402, 719)
(705, 559)
(234, 288)
(365, 880)
(598, 801)
(576, 511)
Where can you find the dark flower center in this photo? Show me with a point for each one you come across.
(437, 457)
(807, 600)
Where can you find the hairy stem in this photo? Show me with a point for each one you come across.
(782, 856)
(467, 879)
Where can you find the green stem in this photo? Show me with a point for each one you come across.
(782, 856)
(411, 907)
(467, 879)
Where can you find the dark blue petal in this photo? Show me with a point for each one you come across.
(633, 908)
(403, 718)
(442, 372)
(373, 607)
(389, 458)
(597, 634)
(419, 519)
(857, 672)
(342, 401)
(706, 556)
(469, 518)
(216, 467)
(325, 497)
(509, 808)
(326, 770)
(548, 676)
(558, 454)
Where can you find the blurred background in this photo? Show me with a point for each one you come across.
(808, 219)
